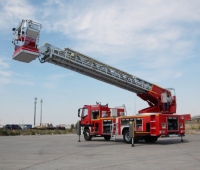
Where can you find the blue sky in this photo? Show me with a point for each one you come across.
(157, 41)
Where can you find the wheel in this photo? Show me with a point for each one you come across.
(150, 139)
(107, 137)
(126, 137)
(87, 135)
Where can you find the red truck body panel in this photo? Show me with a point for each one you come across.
(147, 124)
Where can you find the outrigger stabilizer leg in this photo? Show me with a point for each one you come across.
(79, 130)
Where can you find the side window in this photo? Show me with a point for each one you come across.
(95, 114)
(139, 123)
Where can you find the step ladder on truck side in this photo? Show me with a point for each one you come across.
(114, 130)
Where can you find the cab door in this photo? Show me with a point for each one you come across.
(83, 113)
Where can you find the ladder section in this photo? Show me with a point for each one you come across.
(88, 66)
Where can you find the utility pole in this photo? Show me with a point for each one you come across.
(35, 109)
(41, 113)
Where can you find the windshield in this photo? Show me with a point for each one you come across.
(84, 112)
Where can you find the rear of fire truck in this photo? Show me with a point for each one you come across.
(151, 127)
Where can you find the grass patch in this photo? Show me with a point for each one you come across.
(4, 132)
(192, 125)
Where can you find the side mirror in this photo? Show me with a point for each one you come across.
(78, 112)
(81, 113)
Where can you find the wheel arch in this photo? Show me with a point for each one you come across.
(124, 129)
(85, 128)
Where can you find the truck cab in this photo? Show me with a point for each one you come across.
(99, 120)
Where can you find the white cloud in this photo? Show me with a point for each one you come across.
(179, 74)
(22, 82)
(12, 12)
(7, 76)
(54, 80)
(158, 75)
(4, 80)
(48, 85)
(10, 80)
(116, 27)
(56, 77)
(5, 73)
(155, 33)
(3, 64)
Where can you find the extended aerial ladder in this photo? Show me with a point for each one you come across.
(26, 39)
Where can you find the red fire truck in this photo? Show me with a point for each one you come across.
(100, 120)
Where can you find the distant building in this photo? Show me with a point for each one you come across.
(46, 125)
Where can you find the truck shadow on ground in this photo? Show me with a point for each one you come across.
(95, 142)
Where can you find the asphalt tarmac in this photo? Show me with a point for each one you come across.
(64, 152)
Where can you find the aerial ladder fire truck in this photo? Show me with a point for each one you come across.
(100, 120)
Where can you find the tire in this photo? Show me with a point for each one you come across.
(150, 139)
(126, 137)
(107, 137)
(87, 135)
